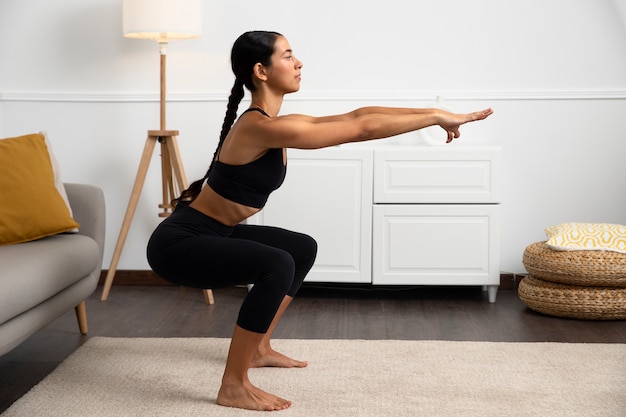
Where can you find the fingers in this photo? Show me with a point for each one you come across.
(481, 115)
(452, 134)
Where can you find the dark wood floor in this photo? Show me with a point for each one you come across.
(335, 312)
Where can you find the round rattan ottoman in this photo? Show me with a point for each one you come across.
(588, 285)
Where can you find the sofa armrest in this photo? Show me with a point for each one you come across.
(88, 209)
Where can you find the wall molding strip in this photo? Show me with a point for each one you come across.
(312, 96)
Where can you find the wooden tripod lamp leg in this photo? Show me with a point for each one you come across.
(166, 181)
(176, 162)
(130, 212)
(208, 296)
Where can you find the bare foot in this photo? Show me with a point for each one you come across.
(249, 397)
(271, 358)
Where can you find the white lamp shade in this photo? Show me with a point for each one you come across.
(162, 20)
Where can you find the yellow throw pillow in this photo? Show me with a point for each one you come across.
(587, 236)
(56, 170)
(30, 204)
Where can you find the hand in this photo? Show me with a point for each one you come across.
(451, 122)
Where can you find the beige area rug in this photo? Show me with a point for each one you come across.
(181, 376)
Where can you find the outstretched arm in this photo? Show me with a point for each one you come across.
(360, 112)
(368, 123)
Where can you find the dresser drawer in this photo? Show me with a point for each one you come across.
(432, 244)
(437, 174)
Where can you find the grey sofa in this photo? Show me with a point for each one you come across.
(43, 279)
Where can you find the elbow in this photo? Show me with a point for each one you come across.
(367, 130)
(363, 135)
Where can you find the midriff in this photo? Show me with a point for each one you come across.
(219, 208)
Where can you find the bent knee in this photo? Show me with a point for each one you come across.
(306, 245)
(309, 245)
(278, 268)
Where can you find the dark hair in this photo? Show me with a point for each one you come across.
(249, 49)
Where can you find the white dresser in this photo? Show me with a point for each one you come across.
(395, 214)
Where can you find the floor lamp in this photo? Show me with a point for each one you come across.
(161, 21)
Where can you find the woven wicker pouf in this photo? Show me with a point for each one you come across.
(577, 267)
(573, 301)
(581, 284)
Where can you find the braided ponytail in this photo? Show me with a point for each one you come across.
(236, 95)
(248, 50)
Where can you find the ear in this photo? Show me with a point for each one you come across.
(260, 71)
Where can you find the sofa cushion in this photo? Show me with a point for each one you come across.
(32, 272)
(30, 204)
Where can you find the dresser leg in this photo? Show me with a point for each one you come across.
(492, 292)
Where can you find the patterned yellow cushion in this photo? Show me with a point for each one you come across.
(587, 236)
(30, 204)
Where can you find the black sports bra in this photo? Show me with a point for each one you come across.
(249, 184)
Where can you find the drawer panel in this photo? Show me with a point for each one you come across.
(436, 245)
(437, 175)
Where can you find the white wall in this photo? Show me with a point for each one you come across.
(554, 71)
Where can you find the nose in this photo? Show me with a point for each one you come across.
(299, 63)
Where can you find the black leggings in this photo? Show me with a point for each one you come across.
(194, 250)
